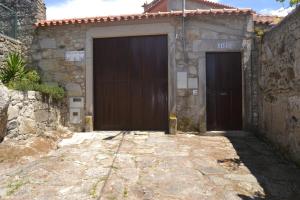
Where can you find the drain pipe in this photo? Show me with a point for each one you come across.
(183, 28)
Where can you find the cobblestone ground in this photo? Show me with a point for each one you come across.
(152, 166)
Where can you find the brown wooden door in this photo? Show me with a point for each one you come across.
(131, 83)
(224, 91)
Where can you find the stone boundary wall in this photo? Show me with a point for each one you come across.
(7, 45)
(28, 12)
(30, 113)
(279, 86)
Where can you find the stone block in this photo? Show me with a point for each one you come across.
(172, 125)
(297, 59)
(47, 65)
(193, 70)
(59, 53)
(4, 104)
(48, 43)
(27, 126)
(11, 125)
(31, 95)
(89, 126)
(47, 53)
(193, 55)
(36, 56)
(193, 34)
(13, 112)
(41, 115)
(73, 89)
(182, 93)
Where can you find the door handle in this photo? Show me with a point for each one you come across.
(223, 93)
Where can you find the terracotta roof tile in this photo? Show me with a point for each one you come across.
(266, 20)
(154, 3)
(144, 16)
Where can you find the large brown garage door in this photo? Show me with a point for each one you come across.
(224, 91)
(131, 83)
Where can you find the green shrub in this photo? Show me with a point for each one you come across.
(25, 85)
(32, 76)
(53, 91)
(259, 32)
(14, 69)
(15, 76)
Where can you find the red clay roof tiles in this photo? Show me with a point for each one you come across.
(266, 20)
(153, 4)
(144, 16)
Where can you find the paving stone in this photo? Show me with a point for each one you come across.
(151, 167)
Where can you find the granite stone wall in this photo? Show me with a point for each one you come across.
(279, 85)
(27, 14)
(48, 54)
(32, 114)
(8, 45)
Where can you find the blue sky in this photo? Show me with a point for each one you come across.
(80, 8)
(255, 4)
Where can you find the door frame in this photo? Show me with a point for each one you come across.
(128, 30)
(243, 84)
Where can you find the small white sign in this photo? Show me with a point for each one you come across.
(181, 80)
(195, 92)
(74, 56)
(224, 45)
(76, 102)
(75, 116)
(193, 83)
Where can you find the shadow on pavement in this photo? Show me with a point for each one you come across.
(279, 178)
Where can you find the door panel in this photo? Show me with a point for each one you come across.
(131, 83)
(224, 91)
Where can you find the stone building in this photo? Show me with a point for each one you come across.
(138, 72)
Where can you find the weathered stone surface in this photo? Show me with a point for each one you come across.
(13, 113)
(4, 102)
(73, 89)
(27, 13)
(31, 114)
(8, 45)
(11, 125)
(88, 166)
(278, 96)
(47, 43)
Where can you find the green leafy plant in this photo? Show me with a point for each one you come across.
(259, 32)
(14, 69)
(16, 76)
(25, 85)
(53, 91)
(32, 76)
(15, 186)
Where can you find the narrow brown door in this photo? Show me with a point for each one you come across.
(224, 91)
(131, 83)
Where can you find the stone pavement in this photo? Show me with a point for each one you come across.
(152, 166)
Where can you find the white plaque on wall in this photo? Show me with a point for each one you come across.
(193, 83)
(75, 116)
(182, 80)
(76, 102)
(74, 56)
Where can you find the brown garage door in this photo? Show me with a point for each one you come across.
(224, 91)
(131, 83)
